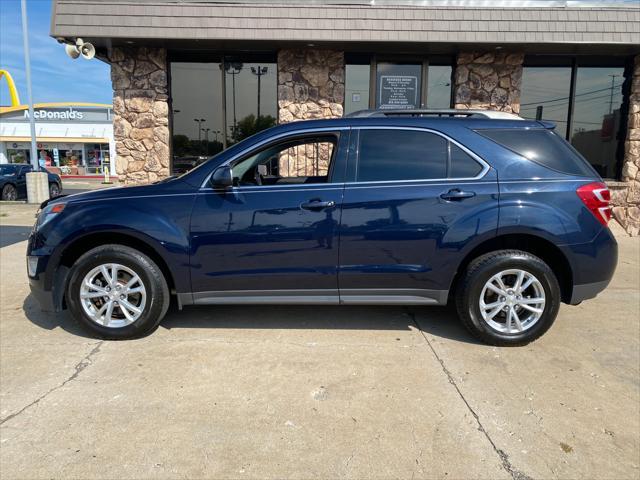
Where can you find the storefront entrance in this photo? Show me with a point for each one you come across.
(81, 159)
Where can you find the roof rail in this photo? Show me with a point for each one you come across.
(447, 112)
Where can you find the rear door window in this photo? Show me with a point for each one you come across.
(462, 165)
(542, 146)
(395, 155)
(401, 155)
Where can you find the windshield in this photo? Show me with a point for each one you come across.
(8, 169)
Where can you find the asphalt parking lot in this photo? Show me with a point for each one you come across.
(322, 392)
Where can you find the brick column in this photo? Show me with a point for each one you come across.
(310, 84)
(626, 200)
(141, 114)
(488, 80)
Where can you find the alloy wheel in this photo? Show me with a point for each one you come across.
(113, 295)
(512, 301)
(9, 193)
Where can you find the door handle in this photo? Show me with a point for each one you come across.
(456, 194)
(317, 205)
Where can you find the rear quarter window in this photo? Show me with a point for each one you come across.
(543, 147)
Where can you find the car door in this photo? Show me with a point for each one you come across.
(272, 237)
(413, 201)
(21, 179)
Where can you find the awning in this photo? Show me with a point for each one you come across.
(56, 139)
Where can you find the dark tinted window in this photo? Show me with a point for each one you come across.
(543, 147)
(401, 155)
(462, 165)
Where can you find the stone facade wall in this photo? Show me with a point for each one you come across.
(488, 80)
(626, 197)
(141, 114)
(310, 85)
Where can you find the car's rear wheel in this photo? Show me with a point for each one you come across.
(508, 297)
(9, 193)
(54, 190)
(117, 292)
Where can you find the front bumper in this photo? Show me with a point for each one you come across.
(44, 297)
(47, 284)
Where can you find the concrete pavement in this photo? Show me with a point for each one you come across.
(323, 392)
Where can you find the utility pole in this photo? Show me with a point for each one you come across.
(259, 72)
(206, 139)
(37, 181)
(613, 79)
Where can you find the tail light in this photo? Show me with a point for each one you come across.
(596, 198)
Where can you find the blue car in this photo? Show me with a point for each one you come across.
(495, 214)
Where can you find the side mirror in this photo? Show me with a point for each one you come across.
(222, 178)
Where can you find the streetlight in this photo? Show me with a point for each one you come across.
(259, 71)
(233, 69)
(200, 121)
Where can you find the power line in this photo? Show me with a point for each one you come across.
(576, 95)
(563, 104)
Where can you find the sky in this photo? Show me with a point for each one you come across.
(54, 76)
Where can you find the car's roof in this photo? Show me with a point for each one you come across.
(436, 123)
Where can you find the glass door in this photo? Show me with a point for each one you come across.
(398, 86)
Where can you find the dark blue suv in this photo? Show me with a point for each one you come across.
(496, 214)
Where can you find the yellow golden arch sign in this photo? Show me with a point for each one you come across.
(13, 92)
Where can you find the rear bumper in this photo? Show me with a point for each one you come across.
(587, 291)
(593, 265)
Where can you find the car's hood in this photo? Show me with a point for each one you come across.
(127, 191)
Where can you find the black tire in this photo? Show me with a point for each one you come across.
(480, 271)
(158, 296)
(9, 193)
(54, 190)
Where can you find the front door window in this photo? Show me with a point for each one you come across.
(297, 161)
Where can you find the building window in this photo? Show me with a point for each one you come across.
(251, 97)
(596, 117)
(439, 92)
(390, 83)
(585, 98)
(545, 95)
(196, 104)
(357, 77)
(217, 101)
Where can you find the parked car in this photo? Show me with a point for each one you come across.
(13, 182)
(498, 215)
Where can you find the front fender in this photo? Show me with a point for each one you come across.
(161, 224)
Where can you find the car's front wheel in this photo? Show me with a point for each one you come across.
(117, 292)
(9, 193)
(508, 297)
(54, 190)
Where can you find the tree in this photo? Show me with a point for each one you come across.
(249, 125)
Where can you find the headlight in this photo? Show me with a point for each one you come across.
(32, 266)
(47, 213)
